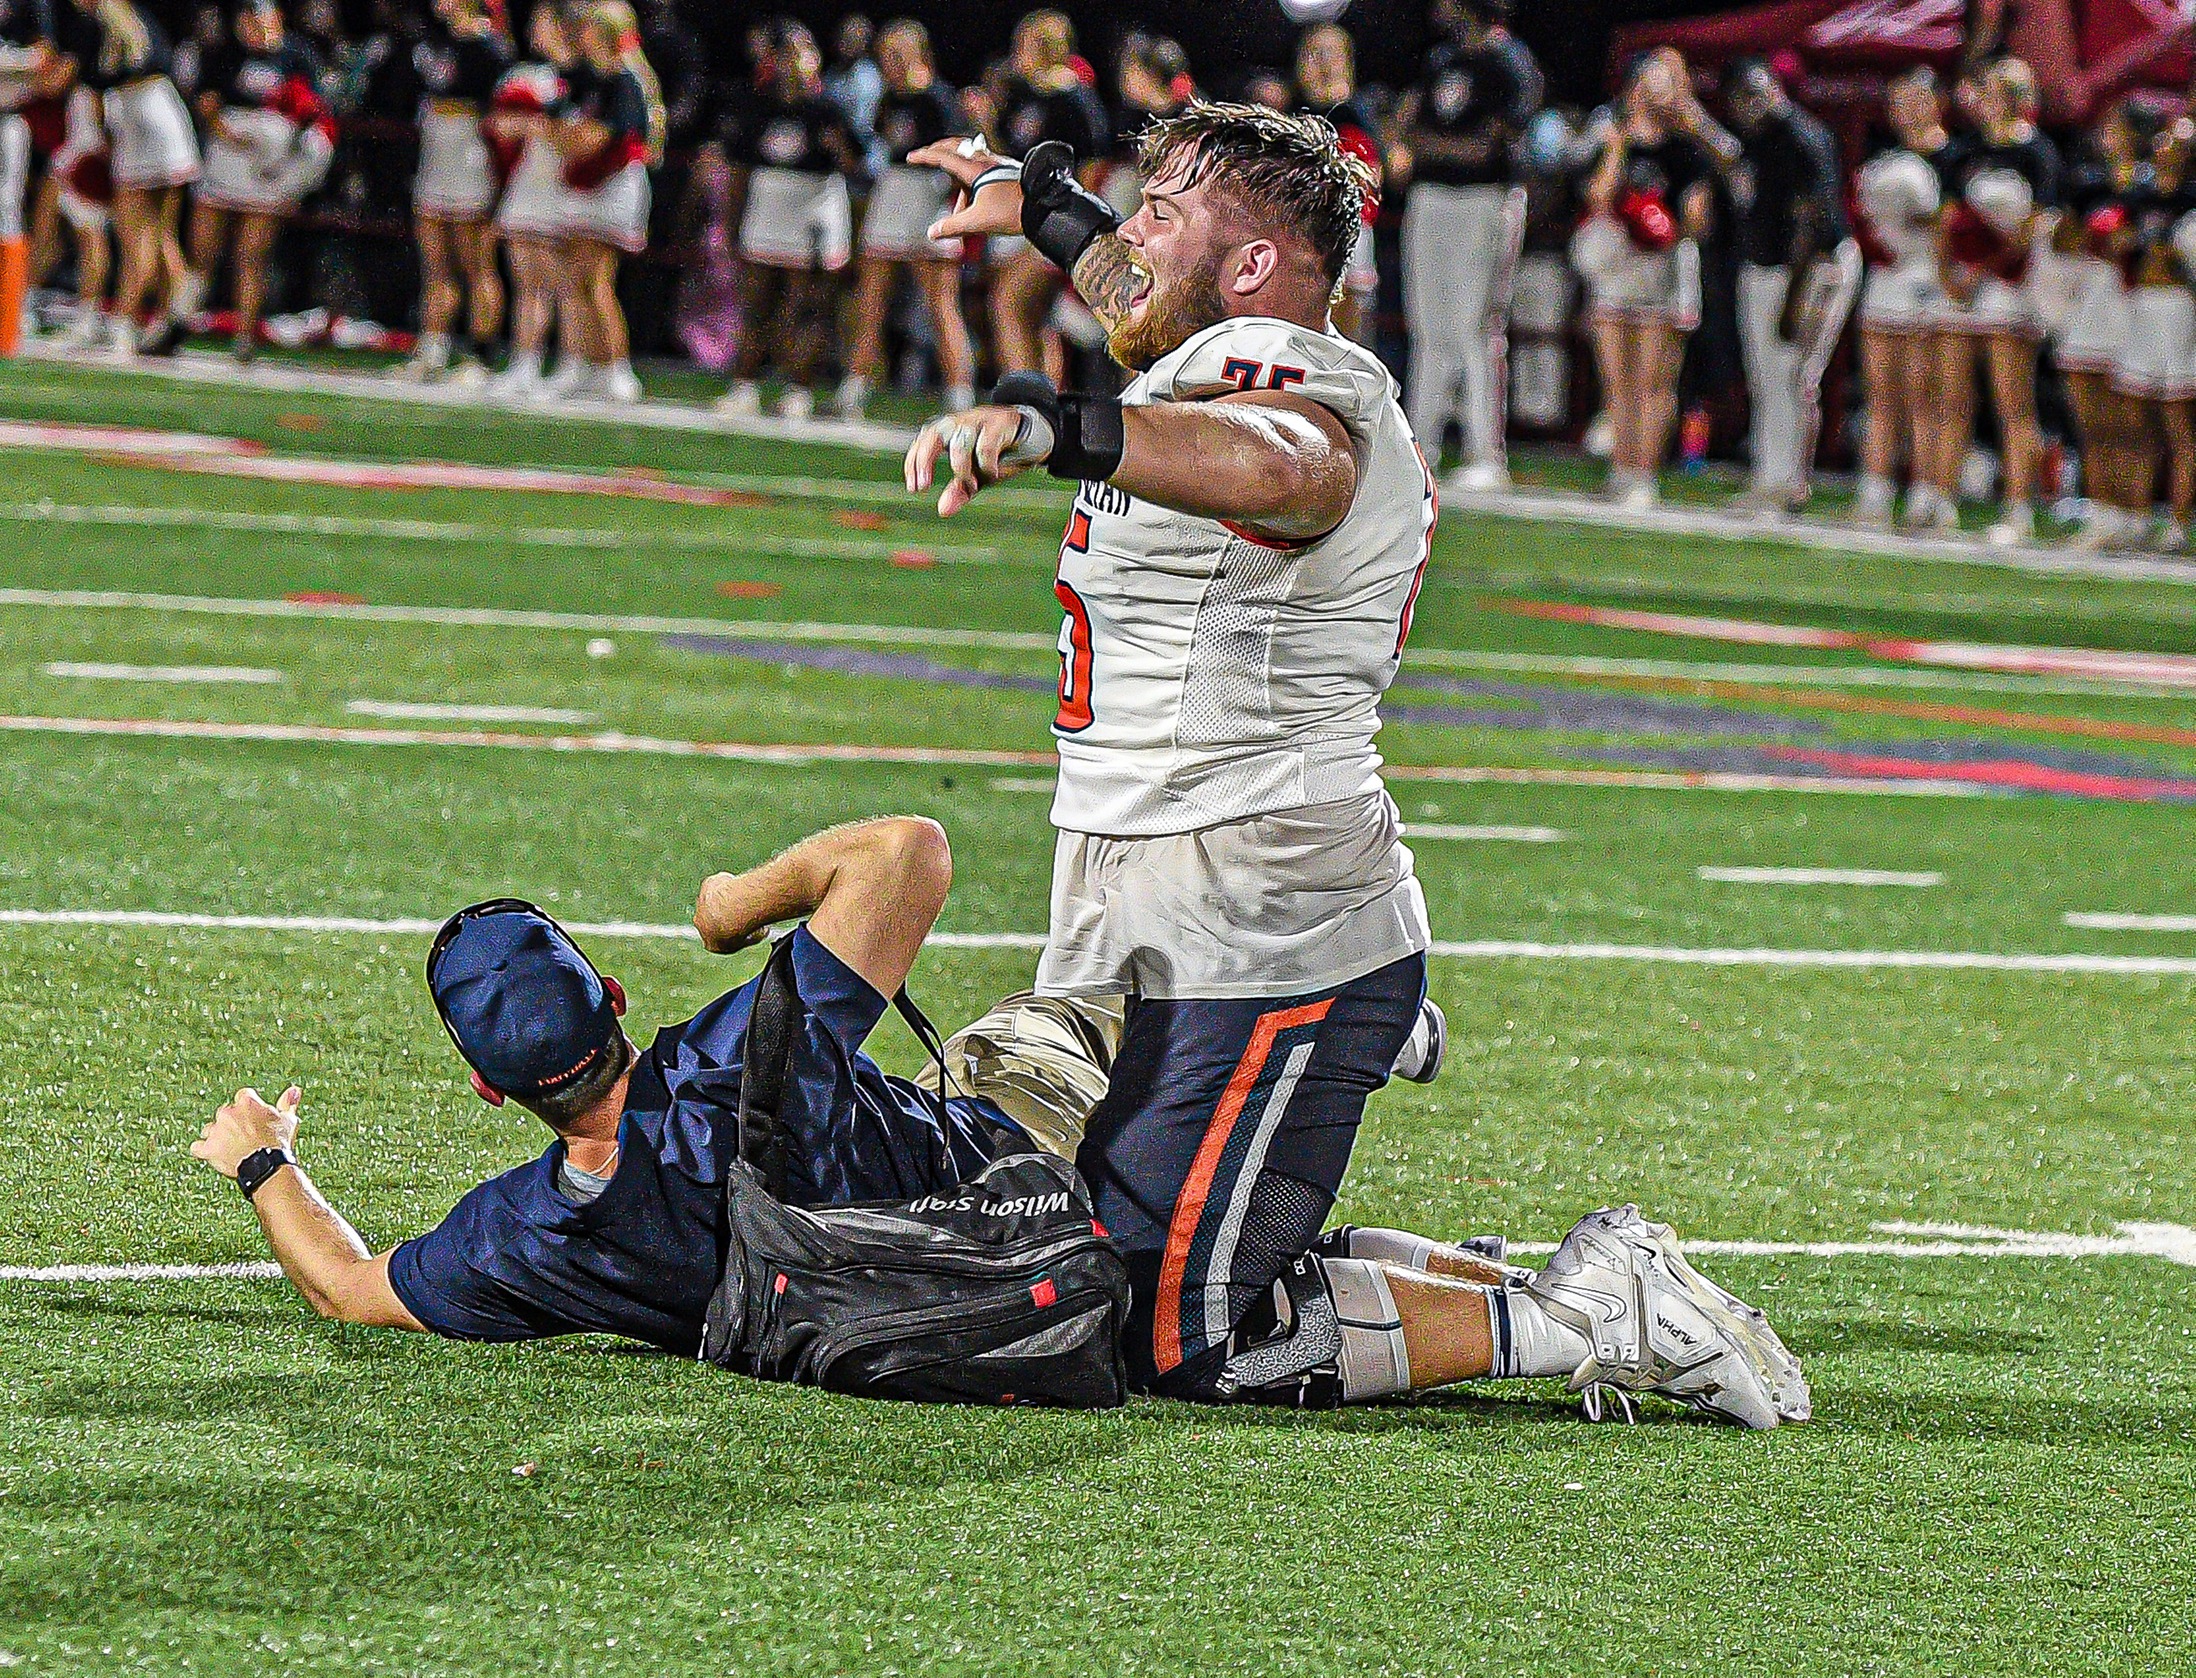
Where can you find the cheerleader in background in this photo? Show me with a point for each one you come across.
(1326, 84)
(2157, 364)
(2005, 190)
(26, 64)
(792, 150)
(610, 136)
(1898, 197)
(2090, 338)
(530, 214)
(1648, 203)
(459, 59)
(915, 110)
(153, 153)
(82, 181)
(269, 141)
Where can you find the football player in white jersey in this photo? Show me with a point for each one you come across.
(1237, 579)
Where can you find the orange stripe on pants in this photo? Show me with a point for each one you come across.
(1189, 1205)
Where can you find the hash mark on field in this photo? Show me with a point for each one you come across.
(2130, 923)
(1919, 879)
(2174, 1243)
(160, 672)
(1495, 833)
(407, 710)
(1483, 949)
(1024, 783)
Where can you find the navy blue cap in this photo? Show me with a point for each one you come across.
(526, 1009)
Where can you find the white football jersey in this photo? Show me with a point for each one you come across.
(1208, 675)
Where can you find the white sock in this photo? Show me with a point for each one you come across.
(622, 368)
(1527, 1341)
(960, 398)
(434, 349)
(525, 364)
(189, 293)
(1875, 493)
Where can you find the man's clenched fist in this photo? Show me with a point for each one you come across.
(246, 1124)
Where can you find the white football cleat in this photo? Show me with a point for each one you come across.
(1655, 1324)
(1420, 1059)
(1479, 477)
(743, 401)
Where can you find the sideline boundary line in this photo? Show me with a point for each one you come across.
(1476, 949)
(2174, 1243)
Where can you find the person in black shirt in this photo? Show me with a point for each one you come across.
(610, 133)
(914, 110)
(2156, 369)
(1043, 98)
(2002, 191)
(458, 61)
(791, 152)
(1326, 85)
(1898, 195)
(1799, 269)
(125, 59)
(1649, 200)
(1463, 223)
(269, 141)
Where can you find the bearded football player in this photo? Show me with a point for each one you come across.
(1249, 537)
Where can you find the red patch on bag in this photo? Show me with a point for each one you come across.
(1044, 1293)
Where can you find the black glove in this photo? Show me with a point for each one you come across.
(1060, 216)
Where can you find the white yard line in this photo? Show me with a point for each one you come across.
(1024, 783)
(733, 543)
(1563, 507)
(496, 617)
(2174, 1243)
(232, 673)
(1785, 675)
(1919, 879)
(1690, 780)
(414, 710)
(1494, 833)
(1485, 949)
(2130, 923)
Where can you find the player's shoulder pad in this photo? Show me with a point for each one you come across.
(1257, 352)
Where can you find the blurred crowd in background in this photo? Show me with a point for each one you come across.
(1988, 293)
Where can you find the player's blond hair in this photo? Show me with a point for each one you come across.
(617, 19)
(1284, 171)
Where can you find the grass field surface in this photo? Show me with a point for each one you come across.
(200, 1476)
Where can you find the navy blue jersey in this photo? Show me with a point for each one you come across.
(517, 1259)
(1490, 93)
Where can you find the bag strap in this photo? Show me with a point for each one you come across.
(773, 1024)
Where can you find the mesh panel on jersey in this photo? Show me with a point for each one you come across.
(1226, 691)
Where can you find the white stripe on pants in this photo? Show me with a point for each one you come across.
(15, 157)
(1460, 248)
(1784, 380)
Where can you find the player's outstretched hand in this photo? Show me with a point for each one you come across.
(245, 1125)
(976, 448)
(995, 210)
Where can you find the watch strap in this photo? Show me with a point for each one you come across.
(254, 1169)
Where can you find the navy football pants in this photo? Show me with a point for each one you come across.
(1219, 1148)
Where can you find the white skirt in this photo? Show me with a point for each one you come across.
(150, 135)
(261, 173)
(796, 219)
(1900, 299)
(1634, 284)
(1998, 308)
(2157, 359)
(897, 224)
(615, 213)
(534, 201)
(456, 180)
(2096, 329)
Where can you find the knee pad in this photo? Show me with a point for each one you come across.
(1326, 1335)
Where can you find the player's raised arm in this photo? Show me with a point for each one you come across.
(254, 1145)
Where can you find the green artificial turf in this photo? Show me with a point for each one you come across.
(201, 1477)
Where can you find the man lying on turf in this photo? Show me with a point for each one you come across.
(619, 1227)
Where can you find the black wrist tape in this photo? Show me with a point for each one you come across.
(1089, 437)
(1060, 216)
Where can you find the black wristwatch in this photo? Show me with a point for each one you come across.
(254, 1169)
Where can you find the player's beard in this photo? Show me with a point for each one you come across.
(1176, 313)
